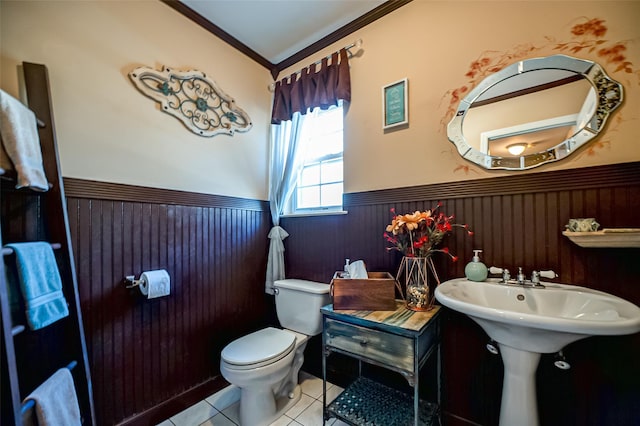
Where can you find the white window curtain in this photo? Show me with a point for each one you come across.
(293, 97)
(286, 163)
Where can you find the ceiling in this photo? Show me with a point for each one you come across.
(279, 33)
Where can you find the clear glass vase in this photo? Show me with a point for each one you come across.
(419, 294)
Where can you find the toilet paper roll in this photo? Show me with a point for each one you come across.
(155, 283)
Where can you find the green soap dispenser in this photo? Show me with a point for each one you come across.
(476, 270)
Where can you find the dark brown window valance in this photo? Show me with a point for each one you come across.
(312, 88)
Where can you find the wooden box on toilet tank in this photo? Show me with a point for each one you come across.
(376, 293)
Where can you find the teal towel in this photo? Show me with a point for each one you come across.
(40, 283)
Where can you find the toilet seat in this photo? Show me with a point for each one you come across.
(259, 348)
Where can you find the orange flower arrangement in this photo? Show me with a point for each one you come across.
(417, 234)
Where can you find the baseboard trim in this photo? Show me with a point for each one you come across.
(457, 420)
(178, 403)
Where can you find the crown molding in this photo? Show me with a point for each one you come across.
(187, 12)
(275, 69)
(340, 33)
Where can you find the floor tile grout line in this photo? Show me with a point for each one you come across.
(229, 418)
(318, 398)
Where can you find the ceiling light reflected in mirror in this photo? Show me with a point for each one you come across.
(516, 148)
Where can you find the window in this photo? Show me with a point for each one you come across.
(320, 184)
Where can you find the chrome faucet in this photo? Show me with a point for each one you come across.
(521, 277)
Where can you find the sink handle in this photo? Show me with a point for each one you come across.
(548, 274)
(495, 271)
(506, 276)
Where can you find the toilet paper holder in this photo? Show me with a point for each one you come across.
(151, 284)
(131, 282)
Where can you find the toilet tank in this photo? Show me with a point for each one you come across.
(298, 304)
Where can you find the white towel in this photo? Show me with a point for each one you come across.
(56, 401)
(19, 134)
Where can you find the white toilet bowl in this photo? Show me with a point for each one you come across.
(265, 364)
(261, 372)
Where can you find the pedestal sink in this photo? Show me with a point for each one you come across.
(528, 321)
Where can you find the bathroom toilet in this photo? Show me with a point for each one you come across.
(265, 364)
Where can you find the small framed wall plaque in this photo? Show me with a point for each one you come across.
(395, 104)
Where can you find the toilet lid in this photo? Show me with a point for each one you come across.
(261, 347)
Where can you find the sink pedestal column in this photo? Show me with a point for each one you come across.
(518, 406)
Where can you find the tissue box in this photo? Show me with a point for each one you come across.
(377, 293)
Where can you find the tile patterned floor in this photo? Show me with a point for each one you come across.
(221, 408)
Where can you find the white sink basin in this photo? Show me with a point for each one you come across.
(529, 321)
(542, 320)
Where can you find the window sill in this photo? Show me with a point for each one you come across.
(316, 213)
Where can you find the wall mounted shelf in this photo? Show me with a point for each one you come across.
(607, 237)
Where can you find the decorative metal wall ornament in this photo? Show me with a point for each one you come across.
(192, 98)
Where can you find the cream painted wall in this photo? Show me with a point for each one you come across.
(433, 43)
(106, 129)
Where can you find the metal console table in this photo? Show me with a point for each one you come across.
(401, 341)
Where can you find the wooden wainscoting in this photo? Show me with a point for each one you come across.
(518, 221)
(147, 355)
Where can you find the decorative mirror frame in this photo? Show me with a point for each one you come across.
(609, 97)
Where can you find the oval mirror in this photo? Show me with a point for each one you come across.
(533, 112)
